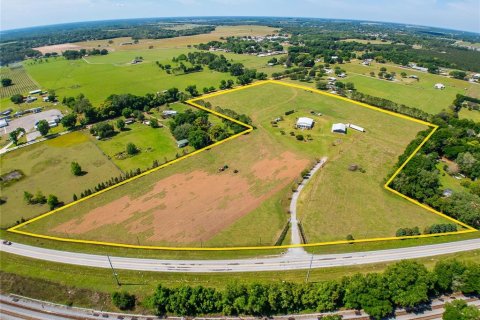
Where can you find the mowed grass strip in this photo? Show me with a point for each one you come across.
(46, 166)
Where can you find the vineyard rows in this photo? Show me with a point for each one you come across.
(22, 83)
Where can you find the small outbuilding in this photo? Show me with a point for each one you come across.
(355, 127)
(169, 113)
(439, 86)
(339, 128)
(305, 123)
(3, 123)
(182, 143)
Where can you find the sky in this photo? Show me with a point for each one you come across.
(453, 14)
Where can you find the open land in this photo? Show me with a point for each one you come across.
(410, 92)
(335, 191)
(469, 114)
(223, 209)
(46, 168)
(99, 76)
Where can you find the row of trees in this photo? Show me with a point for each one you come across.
(78, 54)
(434, 228)
(242, 45)
(52, 200)
(405, 284)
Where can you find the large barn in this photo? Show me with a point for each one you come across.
(339, 128)
(305, 123)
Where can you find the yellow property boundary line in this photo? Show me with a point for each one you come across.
(249, 128)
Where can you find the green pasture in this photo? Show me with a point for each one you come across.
(46, 166)
(99, 76)
(419, 94)
(339, 202)
(154, 144)
(469, 114)
(336, 203)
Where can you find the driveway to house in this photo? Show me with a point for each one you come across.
(296, 238)
(28, 122)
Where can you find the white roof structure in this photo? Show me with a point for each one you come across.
(439, 86)
(358, 128)
(304, 122)
(339, 127)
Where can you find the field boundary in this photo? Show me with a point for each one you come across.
(249, 128)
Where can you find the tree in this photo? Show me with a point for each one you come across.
(43, 127)
(403, 74)
(321, 85)
(52, 201)
(28, 197)
(51, 95)
(153, 123)
(16, 98)
(120, 124)
(182, 131)
(458, 74)
(192, 89)
(198, 139)
(447, 273)
(408, 282)
(76, 169)
(131, 149)
(6, 82)
(69, 121)
(13, 136)
(460, 310)
(123, 300)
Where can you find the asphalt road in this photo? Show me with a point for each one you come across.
(286, 261)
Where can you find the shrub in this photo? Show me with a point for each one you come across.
(16, 98)
(52, 201)
(300, 137)
(132, 149)
(123, 300)
(75, 168)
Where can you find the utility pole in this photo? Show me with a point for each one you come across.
(115, 275)
(309, 268)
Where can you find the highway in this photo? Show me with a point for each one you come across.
(288, 261)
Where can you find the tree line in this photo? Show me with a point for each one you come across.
(455, 141)
(78, 54)
(406, 284)
(17, 46)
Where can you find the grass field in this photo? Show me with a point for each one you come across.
(179, 42)
(421, 94)
(367, 41)
(330, 195)
(339, 202)
(72, 77)
(21, 82)
(154, 144)
(46, 166)
(469, 114)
